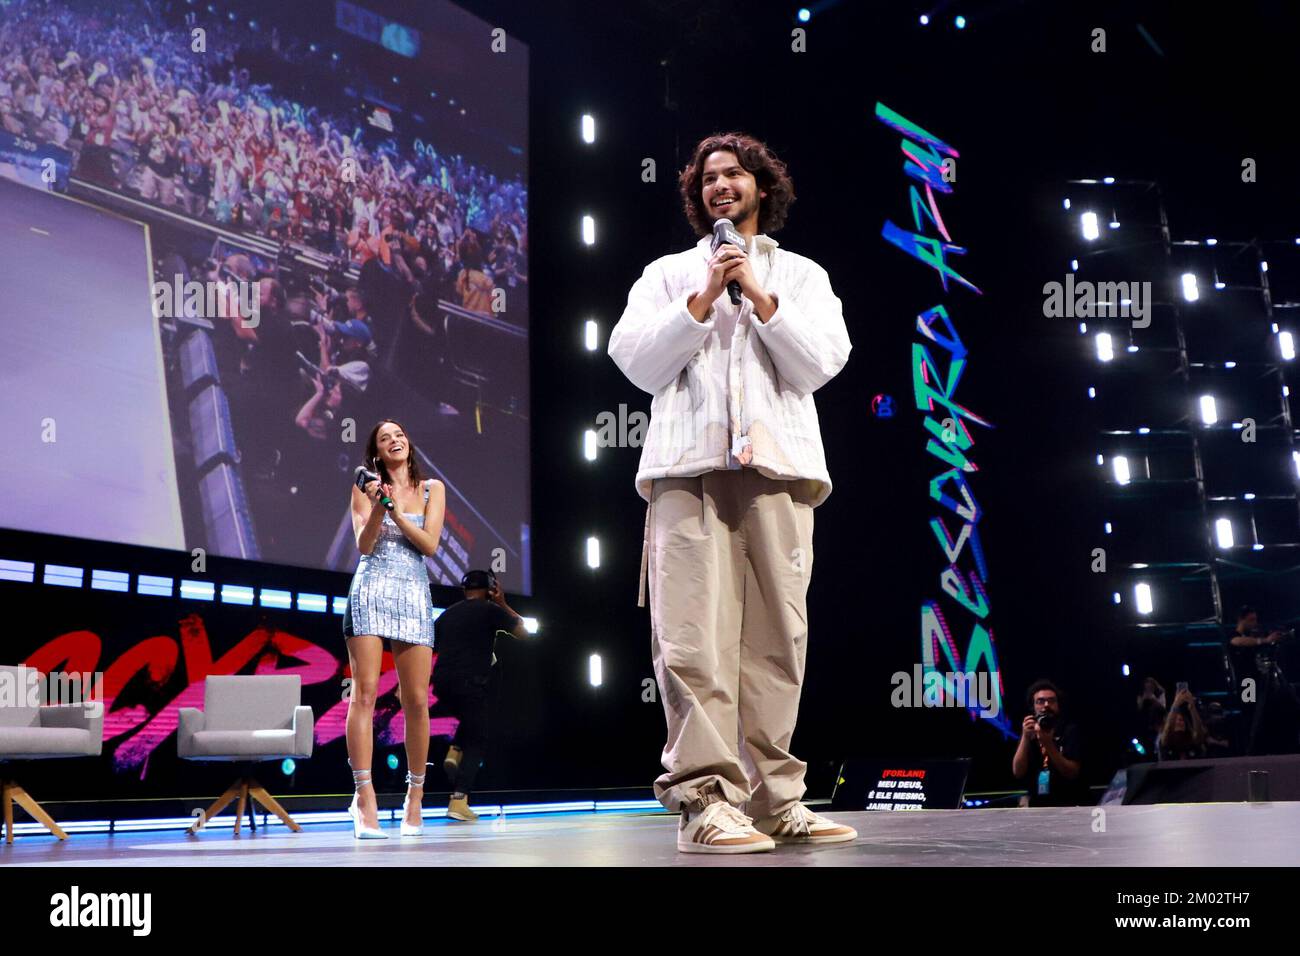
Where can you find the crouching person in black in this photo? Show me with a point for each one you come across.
(466, 677)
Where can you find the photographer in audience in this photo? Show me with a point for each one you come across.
(1048, 759)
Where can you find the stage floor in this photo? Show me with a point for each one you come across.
(1215, 835)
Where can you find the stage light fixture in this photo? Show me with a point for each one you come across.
(925, 21)
(1108, 180)
(1125, 670)
(237, 594)
(198, 590)
(960, 22)
(1120, 466)
(1083, 328)
(1105, 348)
(1092, 391)
(1223, 532)
(593, 552)
(589, 230)
(1211, 242)
(1074, 265)
(1088, 222)
(1190, 292)
(1142, 597)
(1209, 410)
(1286, 342)
(64, 576)
(595, 674)
(118, 581)
(591, 335)
(311, 602)
(1067, 202)
(271, 597)
(588, 128)
(804, 14)
(589, 445)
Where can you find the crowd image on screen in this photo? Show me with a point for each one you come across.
(145, 116)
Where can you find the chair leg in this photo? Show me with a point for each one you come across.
(259, 794)
(221, 803)
(8, 811)
(12, 793)
(243, 805)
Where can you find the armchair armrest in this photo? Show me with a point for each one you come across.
(190, 720)
(304, 727)
(87, 716)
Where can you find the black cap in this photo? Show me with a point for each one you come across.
(473, 580)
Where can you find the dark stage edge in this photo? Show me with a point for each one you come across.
(1208, 835)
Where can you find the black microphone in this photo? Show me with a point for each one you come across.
(364, 476)
(724, 231)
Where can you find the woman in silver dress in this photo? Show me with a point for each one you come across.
(390, 599)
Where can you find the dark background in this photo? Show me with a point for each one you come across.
(1028, 106)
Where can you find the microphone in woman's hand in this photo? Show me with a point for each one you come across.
(364, 477)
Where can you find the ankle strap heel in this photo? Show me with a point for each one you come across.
(411, 829)
(361, 778)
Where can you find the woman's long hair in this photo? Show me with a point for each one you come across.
(373, 461)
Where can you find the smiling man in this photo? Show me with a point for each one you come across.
(732, 469)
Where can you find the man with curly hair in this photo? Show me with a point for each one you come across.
(732, 468)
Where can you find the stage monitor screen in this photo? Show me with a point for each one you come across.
(237, 237)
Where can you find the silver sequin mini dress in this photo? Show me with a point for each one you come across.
(390, 594)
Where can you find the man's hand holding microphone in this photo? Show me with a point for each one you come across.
(729, 264)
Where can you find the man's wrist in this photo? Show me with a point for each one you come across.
(767, 308)
(697, 307)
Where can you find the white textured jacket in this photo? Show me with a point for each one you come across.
(732, 391)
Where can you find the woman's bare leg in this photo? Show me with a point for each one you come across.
(414, 662)
(366, 655)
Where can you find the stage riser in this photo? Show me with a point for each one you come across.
(1214, 781)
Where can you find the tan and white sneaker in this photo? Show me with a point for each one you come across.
(801, 825)
(720, 828)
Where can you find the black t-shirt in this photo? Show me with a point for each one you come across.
(1061, 791)
(463, 637)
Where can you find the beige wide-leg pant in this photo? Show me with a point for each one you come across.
(728, 556)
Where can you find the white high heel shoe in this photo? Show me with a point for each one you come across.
(408, 829)
(361, 778)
